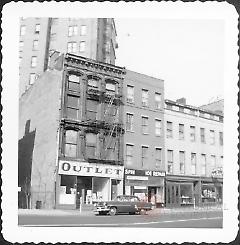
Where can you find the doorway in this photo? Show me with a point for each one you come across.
(84, 183)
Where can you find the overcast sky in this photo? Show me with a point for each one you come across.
(187, 54)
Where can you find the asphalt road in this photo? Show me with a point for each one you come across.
(211, 219)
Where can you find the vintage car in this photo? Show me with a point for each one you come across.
(123, 204)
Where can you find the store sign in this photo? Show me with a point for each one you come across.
(138, 172)
(217, 173)
(90, 169)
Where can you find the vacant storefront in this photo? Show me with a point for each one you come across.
(87, 183)
(148, 185)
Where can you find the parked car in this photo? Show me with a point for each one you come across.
(123, 204)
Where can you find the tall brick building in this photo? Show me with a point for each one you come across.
(73, 116)
(93, 38)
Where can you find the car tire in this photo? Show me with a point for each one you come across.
(142, 212)
(112, 211)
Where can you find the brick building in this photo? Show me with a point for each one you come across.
(93, 38)
(144, 137)
(194, 154)
(73, 116)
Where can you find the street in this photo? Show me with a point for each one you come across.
(203, 219)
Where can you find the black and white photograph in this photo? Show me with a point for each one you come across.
(120, 122)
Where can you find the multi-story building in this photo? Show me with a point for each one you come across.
(144, 137)
(194, 154)
(93, 38)
(215, 106)
(70, 135)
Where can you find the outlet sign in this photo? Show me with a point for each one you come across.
(90, 169)
(140, 172)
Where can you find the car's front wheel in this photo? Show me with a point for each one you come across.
(112, 211)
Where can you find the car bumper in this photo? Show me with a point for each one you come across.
(101, 210)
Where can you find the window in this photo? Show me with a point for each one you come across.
(213, 161)
(182, 161)
(212, 137)
(181, 131)
(22, 30)
(110, 88)
(37, 28)
(158, 127)
(221, 161)
(72, 31)
(181, 109)
(221, 138)
(202, 134)
(72, 47)
(35, 44)
(129, 122)
(73, 83)
(20, 61)
(203, 163)
(145, 125)
(82, 46)
(158, 101)
(192, 133)
(91, 142)
(130, 94)
(32, 78)
(169, 130)
(169, 161)
(92, 109)
(92, 84)
(33, 61)
(144, 155)
(193, 163)
(21, 44)
(73, 107)
(158, 157)
(129, 155)
(83, 30)
(70, 143)
(144, 97)
(169, 107)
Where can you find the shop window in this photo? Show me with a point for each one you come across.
(158, 100)
(169, 129)
(73, 107)
(186, 193)
(70, 143)
(193, 163)
(144, 155)
(158, 127)
(158, 157)
(129, 122)
(144, 97)
(182, 161)
(181, 131)
(212, 137)
(208, 193)
(74, 83)
(203, 164)
(130, 94)
(145, 125)
(169, 161)
(221, 138)
(68, 182)
(202, 135)
(91, 109)
(91, 141)
(192, 133)
(129, 154)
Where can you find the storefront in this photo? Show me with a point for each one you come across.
(87, 183)
(148, 185)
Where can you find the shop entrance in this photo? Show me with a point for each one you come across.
(152, 191)
(84, 187)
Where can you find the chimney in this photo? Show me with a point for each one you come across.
(181, 101)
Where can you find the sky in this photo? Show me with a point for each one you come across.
(188, 54)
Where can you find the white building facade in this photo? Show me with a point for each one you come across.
(194, 155)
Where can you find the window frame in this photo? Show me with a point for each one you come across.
(145, 124)
(158, 103)
(193, 163)
(83, 33)
(158, 130)
(203, 164)
(145, 99)
(144, 154)
(32, 78)
(181, 135)
(169, 129)
(37, 28)
(169, 161)
(82, 48)
(130, 122)
(129, 156)
(192, 133)
(202, 135)
(65, 143)
(35, 47)
(182, 163)
(71, 46)
(23, 29)
(34, 61)
(129, 97)
(212, 137)
(158, 157)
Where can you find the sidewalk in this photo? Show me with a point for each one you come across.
(61, 212)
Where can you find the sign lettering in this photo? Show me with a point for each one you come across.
(140, 172)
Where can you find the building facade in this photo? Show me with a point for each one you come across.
(144, 137)
(93, 38)
(73, 117)
(194, 154)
